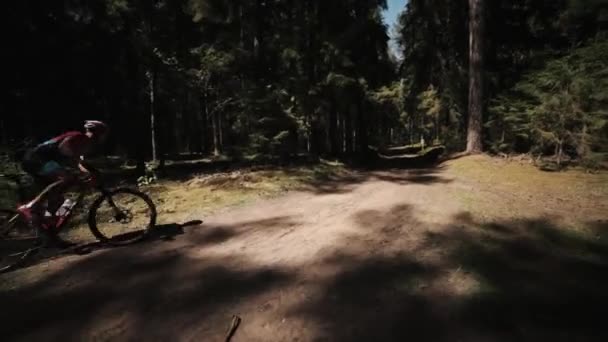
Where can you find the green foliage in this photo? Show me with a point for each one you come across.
(281, 77)
(429, 108)
(150, 174)
(521, 36)
(559, 107)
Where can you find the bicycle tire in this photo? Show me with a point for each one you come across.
(121, 239)
(18, 240)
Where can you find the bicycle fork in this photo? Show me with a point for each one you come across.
(119, 215)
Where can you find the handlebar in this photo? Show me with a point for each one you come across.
(94, 181)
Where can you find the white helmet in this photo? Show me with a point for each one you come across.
(95, 126)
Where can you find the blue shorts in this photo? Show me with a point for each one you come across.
(43, 170)
(50, 168)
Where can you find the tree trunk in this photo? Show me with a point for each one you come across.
(187, 121)
(361, 129)
(333, 129)
(559, 153)
(177, 131)
(220, 131)
(259, 35)
(4, 133)
(205, 120)
(241, 27)
(152, 89)
(200, 131)
(137, 142)
(348, 130)
(214, 126)
(583, 148)
(437, 132)
(343, 131)
(476, 35)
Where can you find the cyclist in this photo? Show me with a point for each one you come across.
(56, 165)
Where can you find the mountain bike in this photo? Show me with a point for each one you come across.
(115, 217)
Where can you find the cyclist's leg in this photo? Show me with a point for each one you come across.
(54, 196)
(32, 164)
(54, 191)
(60, 180)
(57, 180)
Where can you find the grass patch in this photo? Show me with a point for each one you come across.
(493, 188)
(208, 193)
(205, 194)
(524, 177)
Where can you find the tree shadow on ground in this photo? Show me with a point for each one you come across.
(203, 235)
(184, 169)
(515, 280)
(340, 184)
(164, 232)
(156, 294)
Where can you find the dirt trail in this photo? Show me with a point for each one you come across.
(369, 258)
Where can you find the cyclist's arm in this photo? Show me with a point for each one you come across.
(74, 148)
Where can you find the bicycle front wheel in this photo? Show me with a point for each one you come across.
(18, 240)
(122, 216)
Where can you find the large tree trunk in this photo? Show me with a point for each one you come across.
(311, 9)
(137, 141)
(476, 35)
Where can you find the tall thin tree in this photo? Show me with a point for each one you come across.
(476, 35)
(152, 90)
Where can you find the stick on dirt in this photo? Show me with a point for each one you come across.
(236, 320)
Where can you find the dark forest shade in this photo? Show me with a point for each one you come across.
(285, 77)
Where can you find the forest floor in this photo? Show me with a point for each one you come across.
(475, 249)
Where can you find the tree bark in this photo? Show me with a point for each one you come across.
(348, 128)
(437, 127)
(343, 131)
(241, 26)
(583, 148)
(216, 150)
(152, 81)
(476, 35)
(220, 131)
(333, 129)
(205, 115)
(177, 130)
(4, 133)
(361, 129)
(559, 153)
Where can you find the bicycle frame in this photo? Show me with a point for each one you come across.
(60, 222)
(104, 195)
(63, 219)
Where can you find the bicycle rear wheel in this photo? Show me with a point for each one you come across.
(122, 216)
(18, 240)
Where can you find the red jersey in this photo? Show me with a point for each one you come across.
(68, 147)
